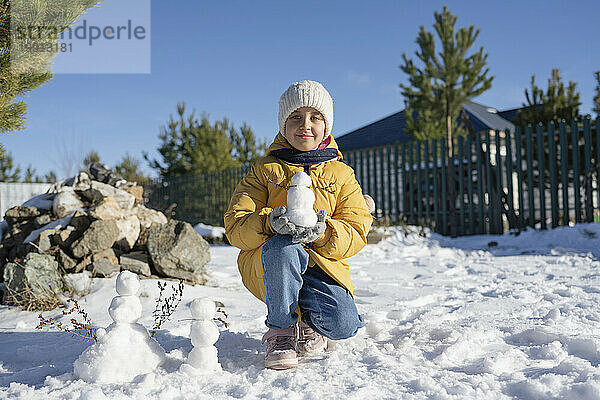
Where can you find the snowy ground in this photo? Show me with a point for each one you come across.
(446, 319)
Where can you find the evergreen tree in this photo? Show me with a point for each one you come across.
(91, 157)
(129, 168)
(50, 177)
(437, 91)
(30, 176)
(192, 146)
(556, 104)
(8, 171)
(23, 70)
(246, 149)
(597, 96)
(447, 80)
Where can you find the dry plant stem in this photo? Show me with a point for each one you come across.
(83, 329)
(165, 307)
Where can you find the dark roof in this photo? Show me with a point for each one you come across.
(391, 128)
(483, 118)
(387, 130)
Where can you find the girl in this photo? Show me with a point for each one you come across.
(300, 273)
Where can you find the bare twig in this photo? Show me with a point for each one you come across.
(165, 307)
(83, 329)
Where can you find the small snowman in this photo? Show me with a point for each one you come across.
(125, 350)
(300, 201)
(204, 334)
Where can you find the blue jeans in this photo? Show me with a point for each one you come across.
(326, 306)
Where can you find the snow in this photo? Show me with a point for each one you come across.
(481, 317)
(60, 223)
(210, 231)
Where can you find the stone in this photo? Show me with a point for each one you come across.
(129, 231)
(83, 264)
(43, 219)
(81, 220)
(18, 232)
(103, 268)
(44, 240)
(19, 251)
(91, 195)
(65, 237)
(109, 254)
(99, 190)
(81, 181)
(136, 262)
(178, 251)
(101, 235)
(18, 214)
(136, 191)
(147, 216)
(65, 262)
(107, 208)
(102, 173)
(66, 202)
(78, 284)
(143, 237)
(37, 275)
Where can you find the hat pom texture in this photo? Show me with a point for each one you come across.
(306, 94)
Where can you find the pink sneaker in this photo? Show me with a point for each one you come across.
(310, 341)
(281, 348)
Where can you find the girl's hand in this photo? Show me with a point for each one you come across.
(311, 234)
(281, 224)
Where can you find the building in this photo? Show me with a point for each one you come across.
(391, 128)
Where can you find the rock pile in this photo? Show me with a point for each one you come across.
(94, 222)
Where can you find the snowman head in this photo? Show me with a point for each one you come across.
(202, 308)
(301, 179)
(128, 283)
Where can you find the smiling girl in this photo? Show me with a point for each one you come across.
(302, 274)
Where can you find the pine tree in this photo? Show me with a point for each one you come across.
(50, 177)
(129, 168)
(91, 157)
(8, 171)
(246, 149)
(23, 70)
(192, 146)
(31, 176)
(597, 96)
(556, 104)
(437, 91)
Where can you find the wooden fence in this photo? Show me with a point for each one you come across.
(502, 180)
(543, 177)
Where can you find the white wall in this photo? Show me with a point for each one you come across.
(14, 194)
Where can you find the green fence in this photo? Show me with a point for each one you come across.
(543, 177)
(196, 197)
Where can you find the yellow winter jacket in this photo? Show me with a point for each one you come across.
(264, 188)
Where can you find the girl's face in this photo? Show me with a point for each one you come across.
(305, 129)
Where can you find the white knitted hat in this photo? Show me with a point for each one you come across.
(306, 94)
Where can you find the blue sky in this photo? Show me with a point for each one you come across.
(234, 59)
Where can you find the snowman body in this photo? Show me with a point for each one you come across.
(204, 333)
(300, 201)
(125, 349)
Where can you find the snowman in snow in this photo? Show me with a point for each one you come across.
(125, 350)
(299, 218)
(204, 333)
